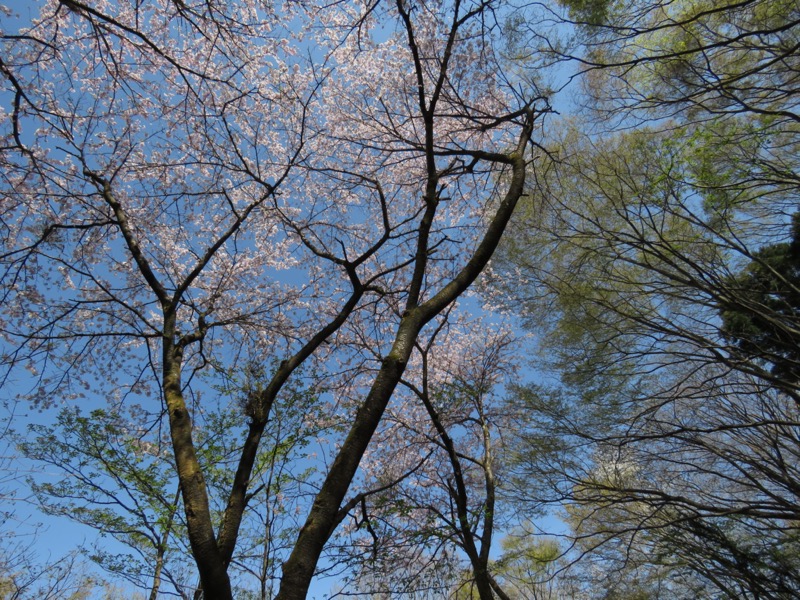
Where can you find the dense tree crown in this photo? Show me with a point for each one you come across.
(206, 204)
(770, 283)
(239, 241)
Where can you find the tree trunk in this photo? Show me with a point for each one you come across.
(299, 569)
(211, 567)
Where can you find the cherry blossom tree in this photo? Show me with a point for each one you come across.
(440, 481)
(191, 188)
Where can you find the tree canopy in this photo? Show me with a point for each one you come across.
(192, 190)
(240, 248)
(656, 263)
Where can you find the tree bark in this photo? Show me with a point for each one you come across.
(211, 567)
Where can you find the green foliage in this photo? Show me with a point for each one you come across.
(762, 316)
(589, 12)
(528, 564)
(118, 481)
(643, 257)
